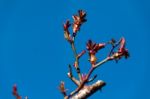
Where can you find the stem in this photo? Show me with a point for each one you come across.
(113, 47)
(83, 82)
(89, 90)
(90, 80)
(70, 75)
(78, 89)
(74, 80)
(90, 72)
(101, 62)
(76, 60)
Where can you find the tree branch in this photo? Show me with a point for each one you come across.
(89, 90)
(76, 60)
(101, 62)
(70, 75)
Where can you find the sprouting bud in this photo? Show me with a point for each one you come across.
(78, 20)
(93, 48)
(66, 31)
(62, 88)
(66, 25)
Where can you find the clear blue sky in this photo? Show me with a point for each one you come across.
(34, 54)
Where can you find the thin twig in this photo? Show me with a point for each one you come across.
(113, 47)
(78, 89)
(76, 60)
(92, 79)
(101, 62)
(70, 75)
(83, 82)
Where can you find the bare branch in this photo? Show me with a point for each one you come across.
(92, 79)
(101, 62)
(76, 61)
(89, 90)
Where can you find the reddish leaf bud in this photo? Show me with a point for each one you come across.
(122, 44)
(66, 31)
(66, 25)
(78, 20)
(62, 88)
(93, 48)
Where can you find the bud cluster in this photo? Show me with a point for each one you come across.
(93, 48)
(78, 21)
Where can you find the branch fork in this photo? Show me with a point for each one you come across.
(84, 90)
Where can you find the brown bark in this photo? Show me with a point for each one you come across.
(87, 91)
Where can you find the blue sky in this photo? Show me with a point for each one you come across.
(34, 54)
